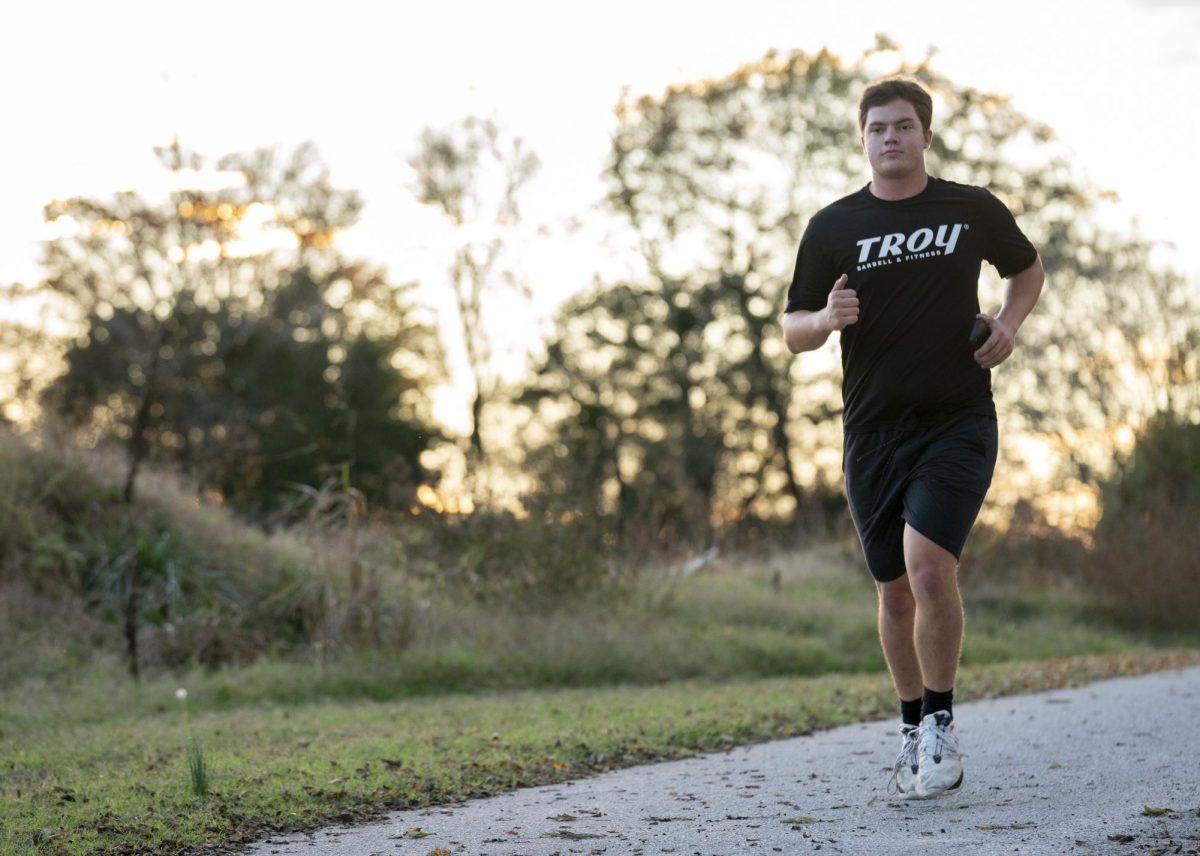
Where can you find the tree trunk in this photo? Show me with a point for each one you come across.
(137, 440)
(133, 605)
(476, 419)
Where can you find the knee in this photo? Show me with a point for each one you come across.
(896, 599)
(932, 580)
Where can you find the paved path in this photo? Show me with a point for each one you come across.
(1062, 772)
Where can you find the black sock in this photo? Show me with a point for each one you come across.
(932, 702)
(910, 711)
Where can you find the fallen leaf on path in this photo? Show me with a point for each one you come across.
(1025, 825)
(1157, 812)
(571, 836)
(800, 821)
(1121, 839)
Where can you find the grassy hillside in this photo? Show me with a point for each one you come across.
(376, 610)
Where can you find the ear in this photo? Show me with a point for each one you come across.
(929, 138)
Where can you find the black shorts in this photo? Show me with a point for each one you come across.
(933, 478)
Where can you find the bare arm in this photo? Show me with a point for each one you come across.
(1020, 296)
(807, 330)
(803, 330)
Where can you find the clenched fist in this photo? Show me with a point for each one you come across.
(999, 345)
(841, 309)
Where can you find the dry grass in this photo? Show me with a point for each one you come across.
(405, 607)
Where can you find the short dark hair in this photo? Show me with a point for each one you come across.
(890, 89)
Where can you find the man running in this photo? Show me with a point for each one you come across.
(895, 268)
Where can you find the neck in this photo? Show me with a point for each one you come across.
(895, 189)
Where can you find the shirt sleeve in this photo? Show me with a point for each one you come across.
(813, 279)
(1007, 247)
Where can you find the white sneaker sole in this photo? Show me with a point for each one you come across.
(922, 794)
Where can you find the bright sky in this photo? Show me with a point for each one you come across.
(90, 87)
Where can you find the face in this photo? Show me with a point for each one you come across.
(893, 140)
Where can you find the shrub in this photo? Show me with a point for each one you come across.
(1148, 539)
(541, 558)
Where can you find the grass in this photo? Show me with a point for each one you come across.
(217, 592)
(120, 782)
(197, 770)
(485, 700)
(728, 623)
(435, 696)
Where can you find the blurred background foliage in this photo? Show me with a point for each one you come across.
(249, 368)
(232, 451)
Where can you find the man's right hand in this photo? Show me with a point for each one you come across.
(841, 309)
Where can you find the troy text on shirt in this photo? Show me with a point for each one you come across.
(896, 246)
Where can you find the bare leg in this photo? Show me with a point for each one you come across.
(897, 610)
(938, 624)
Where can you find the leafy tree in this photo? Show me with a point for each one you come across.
(684, 365)
(222, 330)
(1162, 474)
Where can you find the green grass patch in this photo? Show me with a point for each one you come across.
(119, 778)
(197, 770)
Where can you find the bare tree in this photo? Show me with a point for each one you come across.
(473, 174)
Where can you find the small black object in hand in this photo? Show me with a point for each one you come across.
(979, 333)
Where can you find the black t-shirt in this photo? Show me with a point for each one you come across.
(915, 266)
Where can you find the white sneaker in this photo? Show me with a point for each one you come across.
(903, 782)
(940, 758)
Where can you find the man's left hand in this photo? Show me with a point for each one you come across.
(999, 345)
